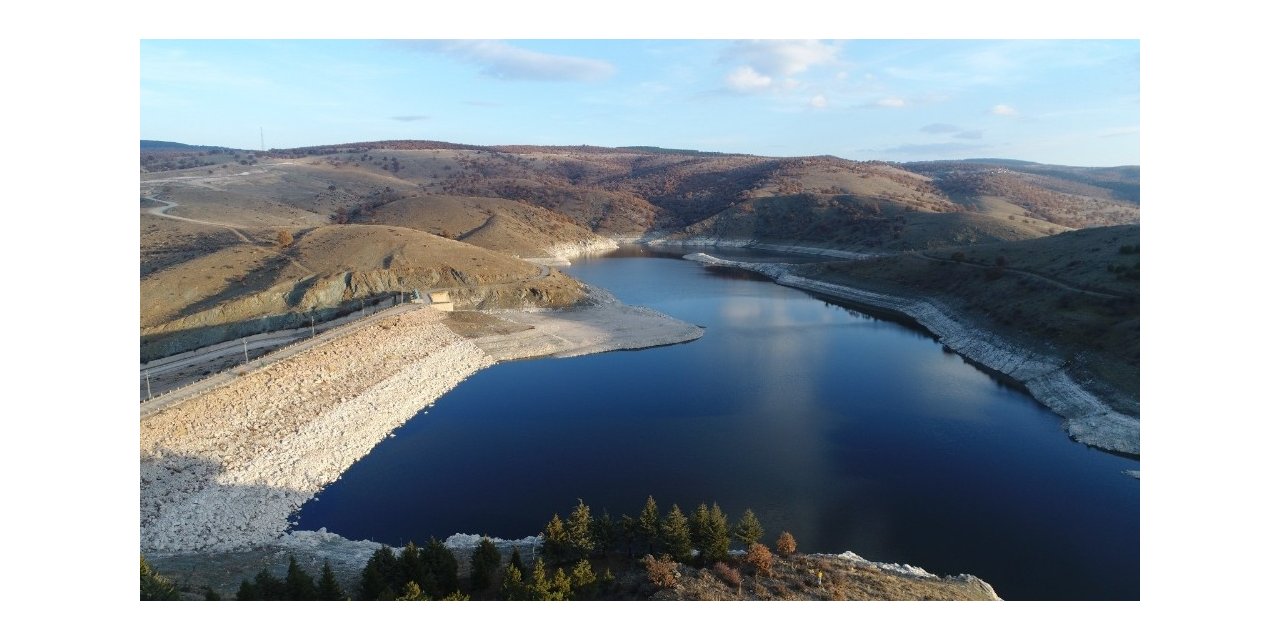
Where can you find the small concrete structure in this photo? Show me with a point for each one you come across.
(440, 300)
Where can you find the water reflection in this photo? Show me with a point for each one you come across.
(854, 433)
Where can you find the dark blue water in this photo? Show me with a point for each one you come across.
(853, 433)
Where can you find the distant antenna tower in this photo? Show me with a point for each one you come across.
(262, 140)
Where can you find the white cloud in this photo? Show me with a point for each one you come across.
(818, 102)
(972, 134)
(501, 60)
(782, 57)
(747, 79)
(891, 103)
(1003, 110)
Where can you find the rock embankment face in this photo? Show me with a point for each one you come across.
(225, 470)
(1087, 418)
(740, 243)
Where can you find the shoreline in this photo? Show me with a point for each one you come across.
(1086, 418)
(225, 470)
(703, 241)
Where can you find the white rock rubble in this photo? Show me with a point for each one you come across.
(1086, 418)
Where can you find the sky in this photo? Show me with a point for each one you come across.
(1208, 148)
(1069, 102)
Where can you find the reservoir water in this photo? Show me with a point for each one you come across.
(851, 432)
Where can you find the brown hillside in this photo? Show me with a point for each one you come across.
(492, 223)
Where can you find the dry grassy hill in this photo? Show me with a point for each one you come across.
(251, 286)
(228, 235)
(498, 224)
(1076, 293)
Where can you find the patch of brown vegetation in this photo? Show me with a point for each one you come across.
(808, 577)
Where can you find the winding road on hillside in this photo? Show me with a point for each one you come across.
(162, 213)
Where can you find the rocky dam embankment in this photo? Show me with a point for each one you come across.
(225, 470)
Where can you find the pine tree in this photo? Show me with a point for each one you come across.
(718, 541)
(484, 560)
(412, 592)
(441, 569)
(269, 587)
(555, 540)
(561, 587)
(298, 584)
(210, 594)
(628, 528)
(578, 532)
(647, 526)
(700, 531)
(380, 574)
(604, 533)
(675, 536)
(329, 588)
(583, 579)
(411, 567)
(749, 529)
(515, 561)
(538, 588)
(153, 586)
(513, 584)
(247, 591)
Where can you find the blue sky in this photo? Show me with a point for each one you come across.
(1054, 101)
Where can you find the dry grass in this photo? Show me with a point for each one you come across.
(803, 577)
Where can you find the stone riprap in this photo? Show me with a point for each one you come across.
(1086, 418)
(226, 469)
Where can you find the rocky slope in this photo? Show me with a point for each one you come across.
(1086, 418)
(225, 470)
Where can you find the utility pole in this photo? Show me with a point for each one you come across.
(245, 342)
(262, 139)
(148, 374)
(313, 326)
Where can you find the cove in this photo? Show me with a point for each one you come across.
(851, 431)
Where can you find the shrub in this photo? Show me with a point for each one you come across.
(728, 574)
(662, 571)
(786, 544)
(284, 238)
(760, 559)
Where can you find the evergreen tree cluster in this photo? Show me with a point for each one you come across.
(564, 569)
(703, 539)
(296, 585)
(581, 583)
(427, 573)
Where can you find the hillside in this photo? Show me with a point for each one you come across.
(235, 241)
(1075, 294)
